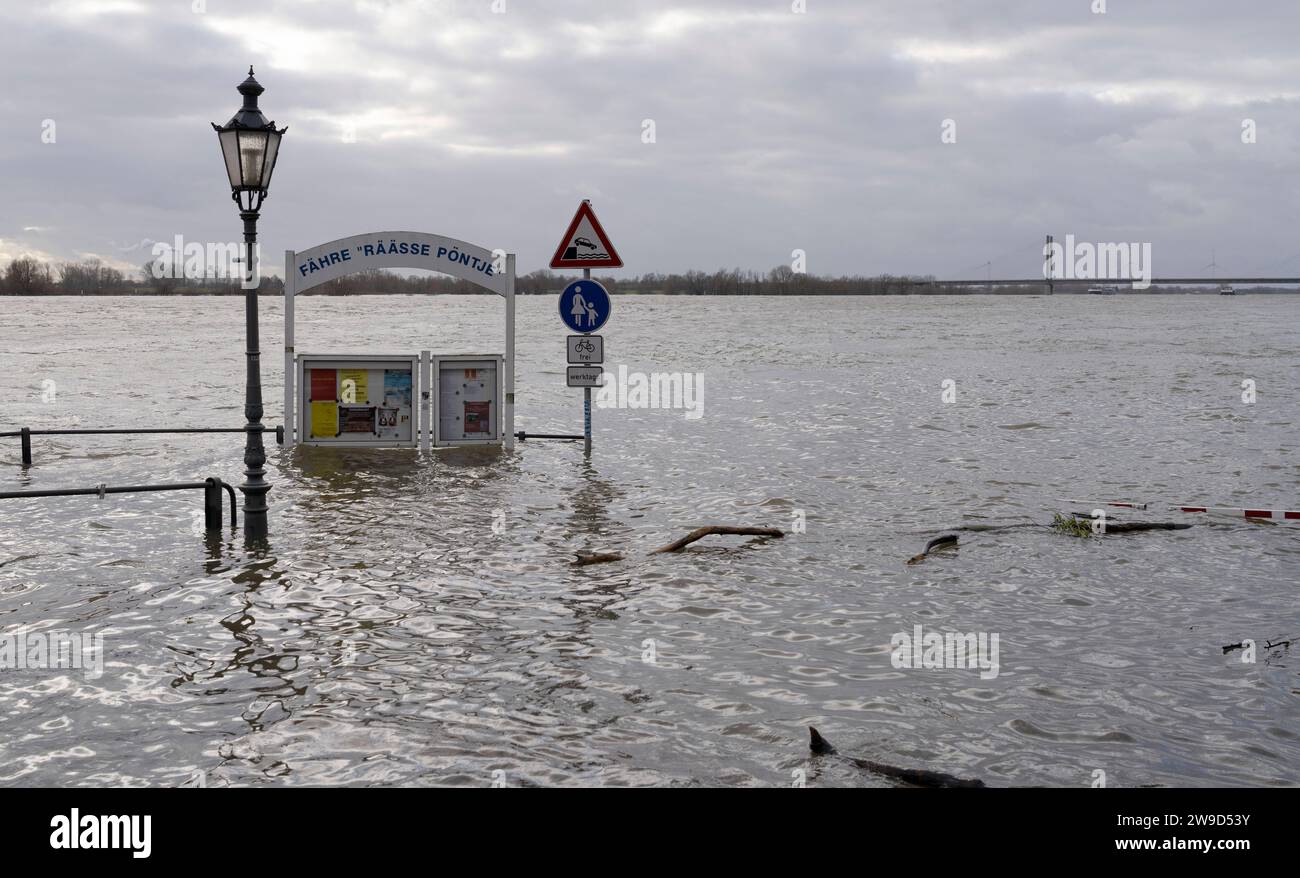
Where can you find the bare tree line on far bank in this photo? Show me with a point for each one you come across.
(780, 281)
(26, 276)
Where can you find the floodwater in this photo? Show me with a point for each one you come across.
(388, 635)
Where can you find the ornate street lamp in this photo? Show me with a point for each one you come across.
(249, 144)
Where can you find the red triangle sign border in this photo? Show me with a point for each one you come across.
(558, 260)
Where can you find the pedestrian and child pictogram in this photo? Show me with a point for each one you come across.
(584, 306)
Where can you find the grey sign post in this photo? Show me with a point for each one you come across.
(586, 397)
(585, 305)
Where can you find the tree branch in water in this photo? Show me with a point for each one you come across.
(678, 545)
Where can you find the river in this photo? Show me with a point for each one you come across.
(387, 633)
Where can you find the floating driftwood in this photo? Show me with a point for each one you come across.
(1075, 525)
(701, 532)
(584, 560)
(1132, 527)
(1268, 644)
(1081, 525)
(678, 545)
(917, 777)
(947, 541)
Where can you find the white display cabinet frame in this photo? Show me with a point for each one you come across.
(432, 384)
(304, 361)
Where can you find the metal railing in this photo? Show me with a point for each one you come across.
(211, 487)
(523, 437)
(26, 433)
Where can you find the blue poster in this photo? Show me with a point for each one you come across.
(397, 388)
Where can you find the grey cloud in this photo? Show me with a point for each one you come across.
(774, 130)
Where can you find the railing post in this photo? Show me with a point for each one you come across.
(428, 402)
(279, 435)
(212, 504)
(27, 446)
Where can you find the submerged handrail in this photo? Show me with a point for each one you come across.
(26, 433)
(211, 486)
(523, 436)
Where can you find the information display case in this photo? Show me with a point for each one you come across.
(356, 400)
(467, 404)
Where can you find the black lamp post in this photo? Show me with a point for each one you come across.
(249, 144)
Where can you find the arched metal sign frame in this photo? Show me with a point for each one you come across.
(335, 259)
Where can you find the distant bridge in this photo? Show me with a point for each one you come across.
(1158, 281)
(1058, 259)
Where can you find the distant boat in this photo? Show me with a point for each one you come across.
(1102, 291)
(1227, 290)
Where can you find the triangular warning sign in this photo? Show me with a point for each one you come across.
(585, 244)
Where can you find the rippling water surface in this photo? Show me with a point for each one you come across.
(387, 636)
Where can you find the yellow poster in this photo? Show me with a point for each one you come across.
(324, 419)
(354, 386)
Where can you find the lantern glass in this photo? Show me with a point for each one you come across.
(249, 145)
(230, 152)
(272, 148)
(252, 157)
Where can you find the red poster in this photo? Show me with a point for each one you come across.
(476, 416)
(324, 385)
(356, 419)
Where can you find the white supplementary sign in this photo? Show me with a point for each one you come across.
(398, 250)
(586, 348)
(584, 376)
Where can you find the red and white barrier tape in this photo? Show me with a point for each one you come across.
(1279, 514)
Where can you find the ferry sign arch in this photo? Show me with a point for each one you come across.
(491, 270)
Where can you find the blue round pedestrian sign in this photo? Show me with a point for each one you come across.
(584, 306)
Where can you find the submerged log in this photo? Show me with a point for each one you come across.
(1132, 527)
(1076, 525)
(1268, 644)
(678, 545)
(600, 558)
(917, 777)
(701, 532)
(947, 541)
(1079, 524)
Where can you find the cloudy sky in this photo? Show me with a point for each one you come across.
(773, 129)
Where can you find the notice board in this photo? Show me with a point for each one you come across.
(357, 400)
(468, 406)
